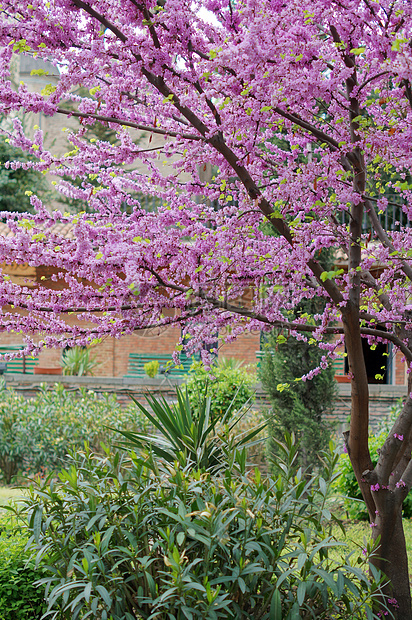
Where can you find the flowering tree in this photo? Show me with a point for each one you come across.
(305, 116)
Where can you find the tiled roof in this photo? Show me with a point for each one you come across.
(63, 229)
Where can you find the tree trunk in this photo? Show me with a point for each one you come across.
(384, 507)
(391, 558)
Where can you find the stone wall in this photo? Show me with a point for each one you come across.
(382, 397)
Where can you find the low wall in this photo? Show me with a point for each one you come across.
(121, 386)
(381, 400)
(382, 397)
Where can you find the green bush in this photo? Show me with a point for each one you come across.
(138, 537)
(37, 433)
(151, 368)
(20, 599)
(228, 385)
(347, 485)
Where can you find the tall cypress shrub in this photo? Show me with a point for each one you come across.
(298, 406)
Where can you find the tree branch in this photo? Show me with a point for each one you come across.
(383, 237)
(119, 121)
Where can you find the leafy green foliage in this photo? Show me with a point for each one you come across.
(186, 435)
(77, 361)
(126, 537)
(228, 384)
(36, 434)
(297, 406)
(20, 599)
(151, 368)
(15, 183)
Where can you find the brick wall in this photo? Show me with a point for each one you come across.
(400, 369)
(113, 354)
(381, 400)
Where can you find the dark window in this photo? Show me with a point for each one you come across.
(378, 360)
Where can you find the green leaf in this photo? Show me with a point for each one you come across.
(329, 275)
(105, 595)
(38, 72)
(396, 45)
(358, 50)
(37, 523)
(48, 90)
(301, 593)
(21, 46)
(276, 606)
(39, 237)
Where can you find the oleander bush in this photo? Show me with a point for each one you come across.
(20, 598)
(130, 536)
(37, 433)
(229, 385)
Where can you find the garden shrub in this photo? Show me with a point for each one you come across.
(136, 537)
(37, 433)
(227, 383)
(347, 485)
(20, 599)
(151, 368)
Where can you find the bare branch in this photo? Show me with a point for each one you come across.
(407, 270)
(120, 121)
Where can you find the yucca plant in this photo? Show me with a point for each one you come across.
(77, 361)
(189, 435)
(229, 363)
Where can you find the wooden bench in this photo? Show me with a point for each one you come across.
(137, 362)
(20, 365)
